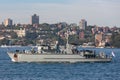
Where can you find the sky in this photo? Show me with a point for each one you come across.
(95, 12)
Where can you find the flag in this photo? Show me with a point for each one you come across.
(113, 54)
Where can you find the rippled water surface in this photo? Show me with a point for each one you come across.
(59, 71)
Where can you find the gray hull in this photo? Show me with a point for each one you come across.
(71, 58)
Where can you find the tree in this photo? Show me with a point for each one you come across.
(116, 40)
(74, 39)
(31, 35)
(4, 42)
(13, 35)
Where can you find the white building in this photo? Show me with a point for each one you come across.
(21, 32)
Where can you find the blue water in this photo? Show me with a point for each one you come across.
(59, 71)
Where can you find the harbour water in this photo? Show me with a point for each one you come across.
(59, 71)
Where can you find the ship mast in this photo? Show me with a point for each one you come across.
(67, 45)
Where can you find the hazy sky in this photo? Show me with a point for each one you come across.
(96, 12)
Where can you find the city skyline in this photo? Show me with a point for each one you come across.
(96, 12)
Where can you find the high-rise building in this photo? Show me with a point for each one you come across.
(83, 24)
(8, 22)
(35, 19)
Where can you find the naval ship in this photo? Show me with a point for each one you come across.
(68, 54)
